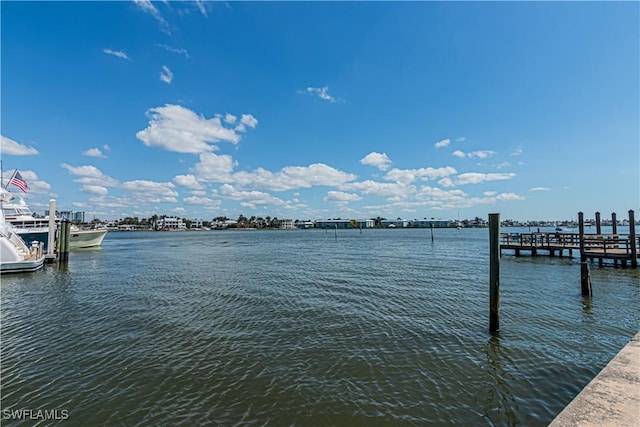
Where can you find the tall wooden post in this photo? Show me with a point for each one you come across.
(632, 239)
(614, 231)
(585, 277)
(494, 272)
(599, 232)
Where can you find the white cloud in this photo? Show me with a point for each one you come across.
(446, 182)
(490, 193)
(384, 189)
(9, 146)
(166, 75)
(378, 160)
(476, 178)
(321, 92)
(483, 154)
(518, 151)
(90, 175)
(407, 176)
(202, 201)
(248, 199)
(214, 168)
(461, 139)
(540, 189)
(189, 181)
(292, 177)
(94, 152)
(176, 128)
(230, 118)
(342, 197)
(95, 189)
(442, 143)
(148, 7)
(118, 53)
(180, 51)
(480, 154)
(246, 120)
(202, 6)
(151, 191)
(509, 196)
(503, 165)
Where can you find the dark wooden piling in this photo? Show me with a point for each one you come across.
(494, 272)
(632, 239)
(614, 231)
(65, 235)
(599, 232)
(585, 276)
(432, 232)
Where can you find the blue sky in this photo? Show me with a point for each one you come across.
(323, 110)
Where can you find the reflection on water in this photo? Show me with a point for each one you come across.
(379, 327)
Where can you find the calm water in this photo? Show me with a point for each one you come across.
(382, 327)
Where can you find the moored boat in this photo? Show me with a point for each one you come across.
(15, 255)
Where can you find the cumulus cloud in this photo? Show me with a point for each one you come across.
(321, 92)
(202, 201)
(480, 154)
(248, 199)
(384, 189)
(476, 177)
(540, 189)
(166, 75)
(341, 197)
(442, 143)
(461, 139)
(151, 191)
(518, 151)
(378, 160)
(9, 146)
(246, 120)
(407, 176)
(214, 168)
(509, 196)
(176, 128)
(189, 181)
(292, 177)
(117, 53)
(94, 152)
(95, 189)
(90, 175)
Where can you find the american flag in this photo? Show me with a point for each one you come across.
(19, 182)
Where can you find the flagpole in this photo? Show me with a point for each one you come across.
(12, 176)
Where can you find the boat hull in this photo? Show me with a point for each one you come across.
(22, 266)
(86, 238)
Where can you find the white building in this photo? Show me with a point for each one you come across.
(171, 223)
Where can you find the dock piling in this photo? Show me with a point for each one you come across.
(632, 239)
(585, 277)
(51, 237)
(494, 272)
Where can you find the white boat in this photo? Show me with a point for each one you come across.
(86, 238)
(31, 227)
(15, 255)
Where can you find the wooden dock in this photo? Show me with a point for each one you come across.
(621, 249)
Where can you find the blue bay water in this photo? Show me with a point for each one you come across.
(379, 327)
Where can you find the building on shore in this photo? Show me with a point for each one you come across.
(171, 223)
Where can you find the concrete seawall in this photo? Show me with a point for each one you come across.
(612, 398)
